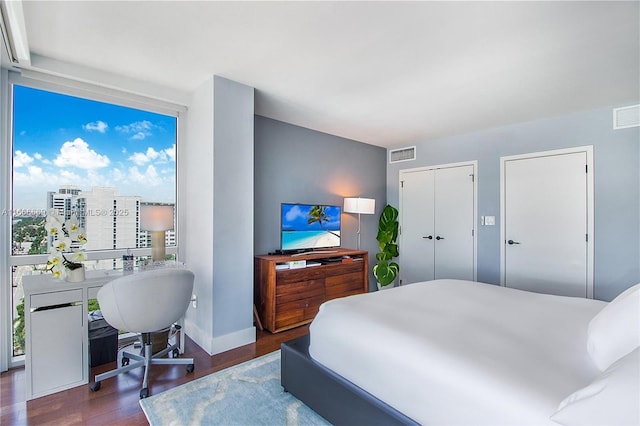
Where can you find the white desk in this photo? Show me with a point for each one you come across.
(57, 339)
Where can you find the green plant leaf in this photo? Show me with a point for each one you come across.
(388, 227)
(392, 250)
(388, 215)
(384, 236)
(385, 274)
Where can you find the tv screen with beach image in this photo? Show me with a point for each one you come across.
(307, 227)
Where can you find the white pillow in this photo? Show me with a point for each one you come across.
(615, 330)
(612, 399)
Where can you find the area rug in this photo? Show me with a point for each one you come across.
(245, 394)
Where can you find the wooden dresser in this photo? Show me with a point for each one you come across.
(288, 298)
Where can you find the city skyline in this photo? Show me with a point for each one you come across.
(61, 140)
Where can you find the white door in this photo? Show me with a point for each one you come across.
(546, 227)
(437, 216)
(417, 221)
(454, 216)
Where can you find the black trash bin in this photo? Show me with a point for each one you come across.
(103, 340)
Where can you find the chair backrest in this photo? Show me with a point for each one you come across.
(146, 301)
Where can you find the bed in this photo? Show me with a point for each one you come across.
(461, 352)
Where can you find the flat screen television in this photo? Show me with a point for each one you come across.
(309, 227)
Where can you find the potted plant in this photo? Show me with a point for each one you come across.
(385, 270)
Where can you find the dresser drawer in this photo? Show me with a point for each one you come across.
(299, 290)
(300, 274)
(44, 300)
(344, 285)
(344, 268)
(297, 311)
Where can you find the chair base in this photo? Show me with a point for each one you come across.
(144, 361)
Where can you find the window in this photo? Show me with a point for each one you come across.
(98, 161)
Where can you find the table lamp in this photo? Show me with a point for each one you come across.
(360, 206)
(156, 219)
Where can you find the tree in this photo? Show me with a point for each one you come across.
(319, 214)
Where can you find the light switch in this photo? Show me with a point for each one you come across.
(490, 220)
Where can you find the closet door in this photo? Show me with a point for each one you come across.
(454, 216)
(437, 216)
(417, 233)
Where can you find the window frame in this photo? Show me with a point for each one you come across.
(7, 260)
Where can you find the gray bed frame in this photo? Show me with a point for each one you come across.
(336, 399)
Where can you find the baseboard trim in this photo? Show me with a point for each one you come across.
(218, 344)
(233, 340)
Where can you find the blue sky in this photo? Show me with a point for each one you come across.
(64, 140)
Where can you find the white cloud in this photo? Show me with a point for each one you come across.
(141, 158)
(140, 136)
(36, 177)
(78, 154)
(149, 177)
(162, 156)
(171, 153)
(69, 176)
(36, 174)
(38, 156)
(118, 175)
(21, 159)
(138, 130)
(96, 126)
(294, 213)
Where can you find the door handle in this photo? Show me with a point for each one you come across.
(511, 242)
(430, 237)
(439, 238)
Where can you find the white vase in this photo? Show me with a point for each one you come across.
(75, 275)
(386, 287)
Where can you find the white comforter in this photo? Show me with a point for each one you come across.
(459, 352)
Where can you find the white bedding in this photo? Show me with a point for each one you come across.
(459, 352)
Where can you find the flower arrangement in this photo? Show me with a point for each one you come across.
(63, 257)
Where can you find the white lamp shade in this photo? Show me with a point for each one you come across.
(156, 218)
(360, 205)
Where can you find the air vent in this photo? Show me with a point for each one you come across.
(402, 154)
(626, 117)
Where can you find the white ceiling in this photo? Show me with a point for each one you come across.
(384, 73)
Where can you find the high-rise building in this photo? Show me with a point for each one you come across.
(63, 200)
(110, 220)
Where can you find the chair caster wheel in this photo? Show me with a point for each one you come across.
(190, 368)
(125, 361)
(175, 353)
(144, 392)
(95, 387)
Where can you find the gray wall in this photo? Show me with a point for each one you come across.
(298, 165)
(233, 208)
(617, 186)
(215, 174)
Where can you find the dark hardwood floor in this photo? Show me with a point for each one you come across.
(116, 403)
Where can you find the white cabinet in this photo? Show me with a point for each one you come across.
(437, 222)
(56, 336)
(58, 350)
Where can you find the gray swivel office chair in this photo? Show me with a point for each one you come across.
(143, 303)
